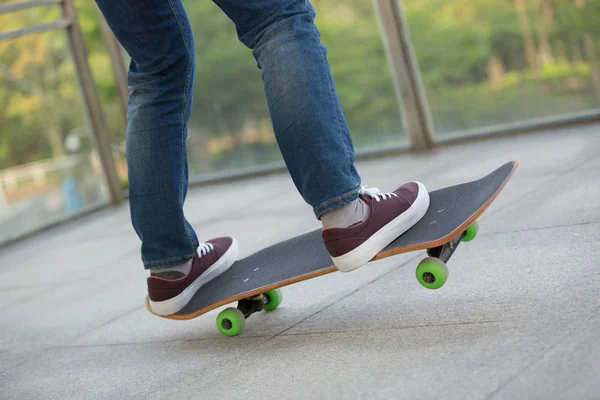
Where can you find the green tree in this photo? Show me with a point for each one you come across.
(36, 96)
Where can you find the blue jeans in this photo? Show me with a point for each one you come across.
(307, 118)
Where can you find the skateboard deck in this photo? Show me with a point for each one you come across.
(452, 212)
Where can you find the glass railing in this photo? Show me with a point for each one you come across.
(489, 63)
(230, 128)
(484, 64)
(49, 169)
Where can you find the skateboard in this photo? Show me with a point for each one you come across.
(255, 281)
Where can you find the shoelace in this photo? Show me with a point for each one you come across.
(376, 193)
(205, 248)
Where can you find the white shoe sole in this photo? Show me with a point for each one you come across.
(387, 234)
(176, 303)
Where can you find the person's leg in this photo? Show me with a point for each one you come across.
(307, 117)
(312, 133)
(158, 37)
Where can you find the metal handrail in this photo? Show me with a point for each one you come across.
(58, 24)
(24, 5)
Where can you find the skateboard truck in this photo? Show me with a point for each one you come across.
(231, 321)
(432, 271)
(253, 304)
(247, 307)
(445, 251)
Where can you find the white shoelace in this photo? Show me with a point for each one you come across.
(376, 193)
(204, 249)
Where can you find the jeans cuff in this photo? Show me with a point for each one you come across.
(336, 202)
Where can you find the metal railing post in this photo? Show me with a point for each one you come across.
(93, 108)
(414, 108)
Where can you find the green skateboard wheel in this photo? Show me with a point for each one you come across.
(231, 322)
(432, 273)
(471, 232)
(275, 298)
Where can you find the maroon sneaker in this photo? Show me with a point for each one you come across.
(168, 296)
(390, 215)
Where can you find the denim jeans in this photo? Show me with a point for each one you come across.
(307, 118)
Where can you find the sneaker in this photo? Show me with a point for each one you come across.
(167, 295)
(390, 215)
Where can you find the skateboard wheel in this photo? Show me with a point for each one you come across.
(231, 321)
(471, 232)
(275, 298)
(432, 273)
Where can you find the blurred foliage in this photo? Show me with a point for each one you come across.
(482, 62)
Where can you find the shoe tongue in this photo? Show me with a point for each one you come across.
(169, 275)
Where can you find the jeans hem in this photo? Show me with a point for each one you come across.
(167, 262)
(336, 202)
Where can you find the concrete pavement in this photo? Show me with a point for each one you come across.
(518, 318)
